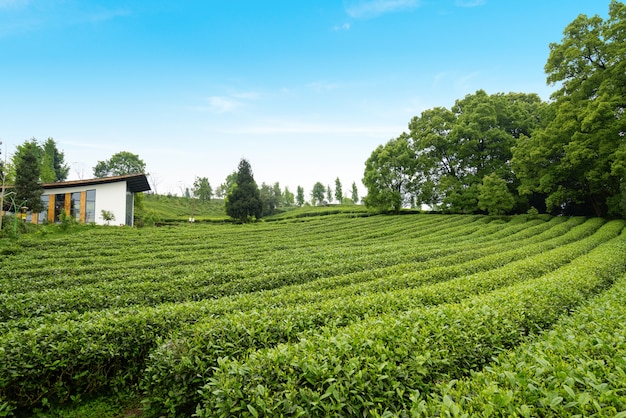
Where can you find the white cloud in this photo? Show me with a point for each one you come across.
(363, 9)
(228, 103)
(345, 26)
(221, 104)
(470, 3)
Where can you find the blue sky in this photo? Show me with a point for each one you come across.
(305, 90)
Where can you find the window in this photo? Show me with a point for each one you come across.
(59, 206)
(43, 215)
(90, 209)
(75, 205)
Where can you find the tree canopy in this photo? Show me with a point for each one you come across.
(244, 201)
(300, 195)
(338, 190)
(52, 162)
(390, 175)
(354, 195)
(564, 156)
(577, 161)
(120, 164)
(317, 193)
(202, 189)
(27, 188)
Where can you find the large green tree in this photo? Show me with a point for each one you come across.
(455, 149)
(391, 175)
(120, 164)
(494, 195)
(577, 161)
(244, 201)
(53, 167)
(329, 194)
(354, 193)
(51, 161)
(225, 188)
(317, 193)
(28, 188)
(338, 190)
(288, 197)
(270, 198)
(300, 195)
(202, 189)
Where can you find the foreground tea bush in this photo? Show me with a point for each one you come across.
(105, 309)
(379, 365)
(178, 369)
(576, 369)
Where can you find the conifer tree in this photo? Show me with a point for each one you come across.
(244, 201)
(28, 189)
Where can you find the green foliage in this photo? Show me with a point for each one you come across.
(575, 161)
(338, 190)
(455, 149)
(576, 369)
(317, 193)
(288, 197)
(67, 221)
(27, 188)
(300, 196)
(176, 209)
(53, 167)
(172, 383)
(379, 364)
(120, 164)
(244, 201)
(565, 157)
(202, 189)
(225, 188)
(271, 198)
(107, 216)
(51, 161)
(390, 175)
(354, 195)
(331, 306)
(495, 196)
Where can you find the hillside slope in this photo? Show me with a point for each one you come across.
(325, 315)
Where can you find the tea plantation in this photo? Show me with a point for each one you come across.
(329, 315)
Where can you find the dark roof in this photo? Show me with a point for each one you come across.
(136, 182)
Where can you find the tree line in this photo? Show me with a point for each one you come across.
(246, 201)
(35, 163)
(513, 153)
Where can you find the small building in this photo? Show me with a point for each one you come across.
(86, 199)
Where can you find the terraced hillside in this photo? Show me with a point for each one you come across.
(331, 315)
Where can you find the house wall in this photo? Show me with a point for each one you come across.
(109, 196)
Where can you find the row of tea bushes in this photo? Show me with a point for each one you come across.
(178, 368)
(576, 369)
(379, 365)
(48, 360)
(185, 279)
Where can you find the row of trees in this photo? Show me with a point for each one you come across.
(32, 164)
(245, 200)
(35, 163)
(508, 153)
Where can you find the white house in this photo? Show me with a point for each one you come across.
(86, 199)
